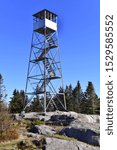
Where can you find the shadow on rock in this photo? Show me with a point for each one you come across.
(60, 120)
(84, 135)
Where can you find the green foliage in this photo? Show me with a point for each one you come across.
(62, 137)
(32, 123)
(76, 100)
(37, 122)
(74, 97)
(69, 98)
(82, 102)
(91, 99)
(35, 105)
(17, 102)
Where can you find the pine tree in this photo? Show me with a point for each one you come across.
(90, 99)
(35, 105)
(70, 102)
(59, 100)
(78, 97)
(17, 101)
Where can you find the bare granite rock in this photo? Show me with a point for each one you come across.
(59, 144)
(60, 120)
(47, 116)
(85, 128)
(43, 130)
(84, 135)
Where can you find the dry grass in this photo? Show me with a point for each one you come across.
(62, 137)
(11, 139)
(13, 144)
(9, 135)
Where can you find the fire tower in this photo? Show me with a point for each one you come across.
(44, 76)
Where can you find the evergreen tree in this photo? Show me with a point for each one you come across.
(69, 98)
(76, 100)
(91, 99)
(35, 105)
(17, 101)
(59, 100)
(78, 97)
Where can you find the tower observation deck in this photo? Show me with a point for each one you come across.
(44, 76)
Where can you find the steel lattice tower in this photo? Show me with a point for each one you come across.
(44, 75)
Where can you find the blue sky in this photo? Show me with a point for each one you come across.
(79, 31)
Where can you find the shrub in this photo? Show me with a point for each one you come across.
(32, 123)
(7, 131)
(9, 135)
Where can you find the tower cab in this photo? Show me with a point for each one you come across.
(45, 22)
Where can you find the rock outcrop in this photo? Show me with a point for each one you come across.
(59, 144)
(84, 135)
(84, 128)
(43, 130)
(60, 120)
(47, 116)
